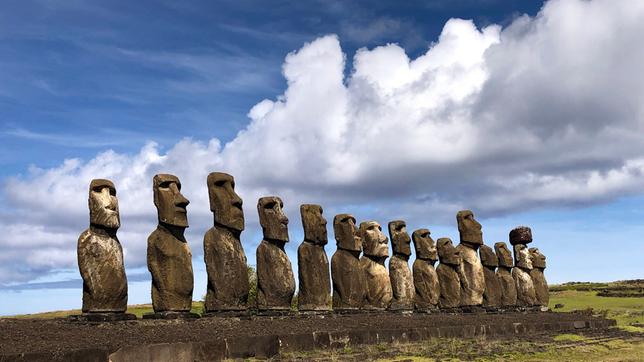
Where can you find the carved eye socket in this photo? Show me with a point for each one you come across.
(165, 184)
(270, 205)
(112, 191)
(220, 183)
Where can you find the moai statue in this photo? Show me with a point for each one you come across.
(472, 281)
(493, 294)
(378, 286)
(504, 273)
(169, 256)
(100, 256)
(348, 278)
(402, 282)
(519, 238)
(275, 280)
(223, 253)
(313, 265)
(538, 279)
(448, 272)
(425, 277)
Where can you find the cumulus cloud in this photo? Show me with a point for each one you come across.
(545, 112)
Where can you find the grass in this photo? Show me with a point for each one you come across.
(138, 309)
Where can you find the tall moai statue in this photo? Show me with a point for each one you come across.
(100, 255)
(538, 278)
(224, 256)
(426, 283)
(400, 276)
(275, 280)
(519, 238)
(169, 256)
(504, 273)
(313, 265)
(449, 274)
(493, 294)
(378, 294)
(472, 281)
(349, 283)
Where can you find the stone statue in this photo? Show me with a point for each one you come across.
(425, 277)
(376, 251)
(169, 256)
(223, 253)
(472, 281)
(275, 280)
(538, 279)
(448, 272)
(348, 278)
(504, 273)
(402, 282)
(493, 294)
(526, 295)
(313, 265)
(100, 256)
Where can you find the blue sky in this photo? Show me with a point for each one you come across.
(530, 113)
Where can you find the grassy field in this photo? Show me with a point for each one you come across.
(138, 309)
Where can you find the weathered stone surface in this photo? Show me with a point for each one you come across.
(504, 273)
(472, 279)
(521, 235)
(100, 255)
(504, 254)
(400, 276)
(376, 251)
(526, 295)
(275, 280)
(448, 272)
(223, 252)
(538, 278)
(169, 256)
(468, 228)
(426, 285)
(493, 294)
(313, 265)
(346, 271)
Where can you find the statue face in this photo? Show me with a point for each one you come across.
(103, 204)
(344, 229)
(468, 228)
(521, 235)
(272, 218)
(171, 204)
(375, 242)
(538, 259)
(488, 258)
(504, 255)
(400, 240)
(424, 245)
(314, 224)
(447, 253)
(225, 204)
(522, 257)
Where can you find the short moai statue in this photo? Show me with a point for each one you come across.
(472, 281)
(538, 278)
(224, 255)
(493, 294)
(402, 281)
(313, 265)
(504, 273)
(378, 294)
(519, 238)
(275, 280)
(427, 288)
(448, 272)
(169, 256)
(100, 257)
(346, 271)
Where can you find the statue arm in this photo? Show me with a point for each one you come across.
(153, 262)
(83, 255)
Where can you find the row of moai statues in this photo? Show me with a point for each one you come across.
(359, 282)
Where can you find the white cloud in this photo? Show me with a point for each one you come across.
(545, 112)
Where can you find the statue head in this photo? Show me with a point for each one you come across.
(171, 204)
(538, 259)
(400, 241)
(521, 235)
(272, 218)
(468, 228)
(488, 258)
(225, 204)
(103, 204)
(424, 245)
(314, 224)
(504, 255)
(447, 252)
(522, 257)
(374, 241)
(344, 229)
